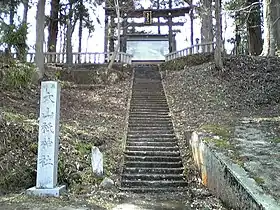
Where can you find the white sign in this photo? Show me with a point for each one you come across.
(48, 135)
(97, 161)
(48, 142)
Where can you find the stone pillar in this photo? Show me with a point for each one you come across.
(47, 161)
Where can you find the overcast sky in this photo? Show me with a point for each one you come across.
(96, 42)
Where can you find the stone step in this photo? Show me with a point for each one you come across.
(137, 170)
(150, 106)
(147, 124)
(151, 177)
(150, 127)
(151, 93)
(148, 87)
(149, 110)
(147, 148)
(159, 130)
(149, 98)
(153, 158)
(149, 114)
(150, 101)
(153, 190)
(149, 143)
(147, 102)
(153, 153)
(147, 119)
(153, 184)
(158, 119)
(152, 161)
(147, 132)
(153, 113)
(137, 136)
(148, 93)
(146, 164)
(156, 140)
(144, 118)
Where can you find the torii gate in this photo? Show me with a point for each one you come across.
(129, 11)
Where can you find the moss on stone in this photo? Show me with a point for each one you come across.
(258, 180)
(275, 140)
(219, 130)
(220, 143)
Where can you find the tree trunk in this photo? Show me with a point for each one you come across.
(124, 35)
(80, 36)
(111, 35)
(158, 6)
(269, 47)
(237, 34)
(206, 21)
(276, 24)
(218, 49)
(191, 20)
(53, 26)
(170, 29)
(11, 18)
(64, 38)
(40, 23)
(116, 2)
(25, 11)
(24, 49)
(278, 28)
(69, 57)
(254, 29)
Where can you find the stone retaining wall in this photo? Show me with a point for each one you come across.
(227, 180)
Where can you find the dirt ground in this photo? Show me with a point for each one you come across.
(231, 103)
(90, 115)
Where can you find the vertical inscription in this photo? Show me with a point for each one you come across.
(48, 135)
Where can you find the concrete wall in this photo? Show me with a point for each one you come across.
(227, 180)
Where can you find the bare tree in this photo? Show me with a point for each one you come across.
(40, 23)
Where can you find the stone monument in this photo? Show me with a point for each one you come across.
(97, 161)
(48, 142)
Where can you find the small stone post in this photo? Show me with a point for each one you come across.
(47, 161)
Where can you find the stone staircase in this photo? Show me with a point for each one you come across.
(152, 161)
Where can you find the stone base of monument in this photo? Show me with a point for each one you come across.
(52, 192)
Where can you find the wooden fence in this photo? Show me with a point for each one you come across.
(80, 58)
(195, 49)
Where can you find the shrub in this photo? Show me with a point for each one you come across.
(17, 75)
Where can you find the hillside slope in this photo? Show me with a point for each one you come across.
(241, 104)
